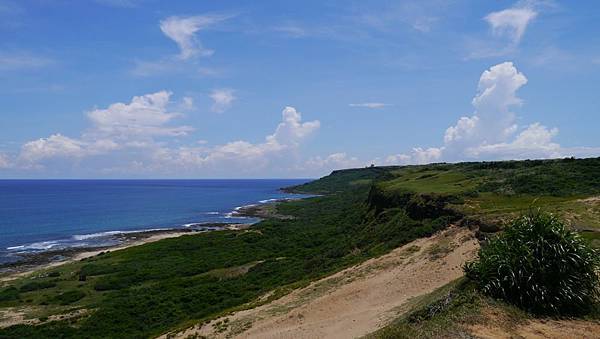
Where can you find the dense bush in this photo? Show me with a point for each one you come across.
(37, 285)
(539, 266)
(70, 297)
(8, 294)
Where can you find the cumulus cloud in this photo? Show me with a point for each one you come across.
(417, 156)
(222, 99)
(183, 31)
(493, 120)
(120, 125)
(145, 115)
(291, 130)
(369, 105)
(491, 133)
(241, 155)
(60, 146)
(533, 142)
(137, 137)
(331, 162)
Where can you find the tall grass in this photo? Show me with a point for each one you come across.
(540, 266)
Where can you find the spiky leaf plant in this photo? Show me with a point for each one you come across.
(540, 266)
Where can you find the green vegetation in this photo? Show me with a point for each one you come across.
(539, 266)
(69, 297)
(36, 285)
(342, 180)
(148, 290)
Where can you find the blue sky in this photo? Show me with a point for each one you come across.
(148, 88)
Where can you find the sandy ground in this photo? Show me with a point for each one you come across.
(355, 301)
(88, 254)
(11, 316)
(497, 325)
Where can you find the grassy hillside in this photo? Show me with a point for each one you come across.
(146, 290)
(153, 288)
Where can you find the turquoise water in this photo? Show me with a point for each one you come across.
(39, 215)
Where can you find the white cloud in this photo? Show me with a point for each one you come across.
(4, 161)
(222, 99)
(56, 145)
(291, 29)
(123, 138)
(533, 142)
(60, 146)
(418, 15)
(145, 115)
(292, 130)
(183, 31)
(493, 121)
(489, 134)
(511, 22)
(424, 24)
(508, 27)
(187, 103)
(22, 61)
(240, 155)
(331, 162)
(417, 156)
(119, 126)
(369, 105)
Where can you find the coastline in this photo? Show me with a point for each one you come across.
(35, 261)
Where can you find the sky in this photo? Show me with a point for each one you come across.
(278, 89)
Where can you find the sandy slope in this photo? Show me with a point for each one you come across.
(498, 325)
(358, 300)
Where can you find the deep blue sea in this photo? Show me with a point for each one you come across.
(38, 215)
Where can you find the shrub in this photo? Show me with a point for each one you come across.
(540, 266)
(9, 294)
(69, 297)
(37, 285)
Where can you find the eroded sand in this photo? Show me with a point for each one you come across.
(355, 301)
(497, 325)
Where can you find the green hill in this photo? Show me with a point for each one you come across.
(151, 289)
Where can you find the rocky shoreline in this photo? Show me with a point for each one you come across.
(31, 261)
(35, 260)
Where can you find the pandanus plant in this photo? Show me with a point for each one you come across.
(539, 265)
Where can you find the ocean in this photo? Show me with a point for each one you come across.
(41, 215)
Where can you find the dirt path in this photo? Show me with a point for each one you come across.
(356, 301)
